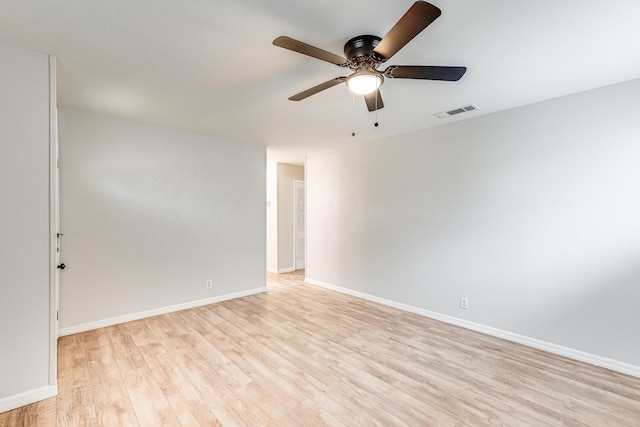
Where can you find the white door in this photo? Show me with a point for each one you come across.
(299, 224)
(54, 225)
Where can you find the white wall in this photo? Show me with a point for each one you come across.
(287, 174)
(532, 213)
(149, 214)
(272, 217)
(24, 226)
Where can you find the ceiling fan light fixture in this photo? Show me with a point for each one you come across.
(364, 82)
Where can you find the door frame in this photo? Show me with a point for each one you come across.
(296, 182)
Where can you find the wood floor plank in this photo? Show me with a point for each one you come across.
(76, 407)
(185, 401)
(110, 396)
(149, 403)
(302, 355)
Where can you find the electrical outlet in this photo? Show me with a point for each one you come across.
(209, 284)
(464, 303)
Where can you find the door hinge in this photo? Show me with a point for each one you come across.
(57, 315)
(58, 163)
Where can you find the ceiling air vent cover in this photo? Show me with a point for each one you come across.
(455, 111)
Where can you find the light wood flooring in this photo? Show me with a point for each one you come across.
(284, 280)
(304, 356)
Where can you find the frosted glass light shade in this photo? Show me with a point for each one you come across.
(364, 83)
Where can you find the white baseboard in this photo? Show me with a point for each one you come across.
(70, 330)
(28, 397)
(282, 270)
(578, 355)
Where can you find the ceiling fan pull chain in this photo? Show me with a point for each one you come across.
(376, 123)
(353, 105)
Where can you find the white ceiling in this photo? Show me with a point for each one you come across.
(209, 66)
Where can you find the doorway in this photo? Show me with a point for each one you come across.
(285, 203)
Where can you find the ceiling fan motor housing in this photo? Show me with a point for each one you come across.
(360, 47)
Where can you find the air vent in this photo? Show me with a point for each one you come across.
(455, 111)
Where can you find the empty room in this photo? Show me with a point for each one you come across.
(279, 213)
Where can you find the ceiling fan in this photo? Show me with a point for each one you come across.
(364, 54)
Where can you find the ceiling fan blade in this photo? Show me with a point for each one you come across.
(417, 18)
(305, 49)
(322, 86)
(374, 101)
(425, 72)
